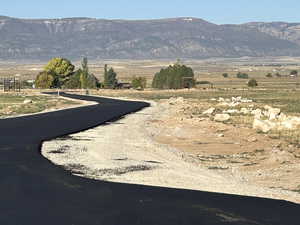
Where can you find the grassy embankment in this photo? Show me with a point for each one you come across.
(11, 104)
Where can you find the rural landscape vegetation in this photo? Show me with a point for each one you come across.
(224, 112)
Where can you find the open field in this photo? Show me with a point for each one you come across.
(210, 70)
(13, 104)
(286, 99)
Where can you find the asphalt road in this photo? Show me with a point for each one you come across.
(34, 191)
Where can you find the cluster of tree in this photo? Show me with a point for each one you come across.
(139, 83)
(242, 75)
(174, 77)
(59, 72)
(292, 73)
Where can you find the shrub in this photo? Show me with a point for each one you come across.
(294, 72)
(252, 83)
(225, 75)
(269, 75)
(242, 75)
(139, 82)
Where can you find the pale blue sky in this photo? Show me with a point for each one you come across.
(217, 11)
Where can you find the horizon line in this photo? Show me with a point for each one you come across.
(142, 19)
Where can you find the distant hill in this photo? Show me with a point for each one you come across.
(281, 30)
(144, 39)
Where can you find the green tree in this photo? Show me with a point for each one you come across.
(242, 75)
(74, 81)
(174, 77)
(82, 78)
(110, 78)
(44, 80)
(61, 69)
(252, 83)
(84, 73)
(225, 75)
(294, 72)
(139, 83)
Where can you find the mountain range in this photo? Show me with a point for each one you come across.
(41, 39)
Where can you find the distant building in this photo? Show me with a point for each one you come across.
(124, 86)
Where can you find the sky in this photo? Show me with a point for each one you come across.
(215, 11)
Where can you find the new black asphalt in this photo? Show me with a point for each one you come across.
(34, 191)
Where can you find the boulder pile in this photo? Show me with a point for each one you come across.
(265, 119)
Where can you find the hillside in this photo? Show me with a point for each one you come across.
(282, 30)
(144, 39)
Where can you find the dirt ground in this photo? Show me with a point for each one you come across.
(166, 145)
(229, 149)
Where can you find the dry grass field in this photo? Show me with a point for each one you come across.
(283, 92)
(209, 69)
(28, 102)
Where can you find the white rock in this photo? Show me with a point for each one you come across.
(282, 117)
(291, 123)
(252, 139)
(222, 117)
(234, 104)
(27, 101)
(246, 100)
(231, 111)
(257, 113)
(221, 99)
(263, 125)
(174, 100)
(267, 107)
(245, 111)
(273, 113)
(209, 111)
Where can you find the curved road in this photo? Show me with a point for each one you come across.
(34, 191)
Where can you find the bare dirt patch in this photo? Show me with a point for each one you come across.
(165, 145)
(230, 149)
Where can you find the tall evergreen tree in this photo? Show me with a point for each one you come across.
(84, 73)
(105, 83)
(110, 78)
